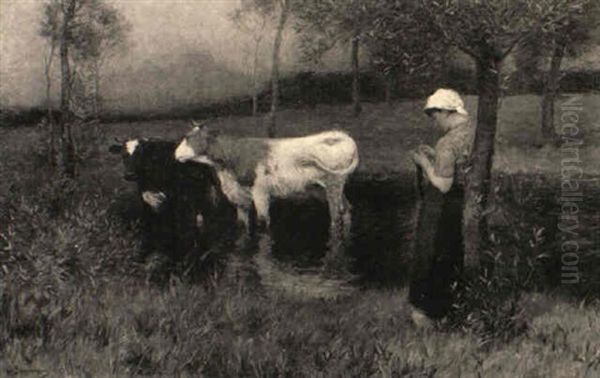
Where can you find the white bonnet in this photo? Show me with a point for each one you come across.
(446, 99)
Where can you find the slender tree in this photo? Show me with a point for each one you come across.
(284, 8)
(68, 11)
(252, 23)
(84, 31)
(539, 58)
(101, 34)
(567, 37)
(528, 63)
(278, 12)
(49, 30)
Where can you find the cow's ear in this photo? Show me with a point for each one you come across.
(115, 149)
(196, 126)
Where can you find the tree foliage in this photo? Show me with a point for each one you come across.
(325, 24)
(565, 38)
(86, 32)
(401, 40)
(252, 19)
(278, 11)
(95, 32)
(97, 28)
(539, 58)
(573, 32)
(496, 26)
(100, 32)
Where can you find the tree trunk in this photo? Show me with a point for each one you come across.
(390, 81)
(479, 180)
(254, 102)
(49, 117)
(271, 131)
(549, 93)
(255, 63)
(97, 98)
(356, 108)
(528, 58)
(255, 82)
(67, 147)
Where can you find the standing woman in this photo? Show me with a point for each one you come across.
(438, 249)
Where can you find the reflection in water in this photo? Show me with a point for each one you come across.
(285, 279)
(381, 230)
(297, 258)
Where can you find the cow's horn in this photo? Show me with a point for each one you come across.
(198, 125)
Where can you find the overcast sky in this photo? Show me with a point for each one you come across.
(159, 28)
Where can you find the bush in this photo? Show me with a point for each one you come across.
(16, 117)
(55, 234)
(489, 305)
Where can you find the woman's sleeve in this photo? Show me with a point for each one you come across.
(445, 159)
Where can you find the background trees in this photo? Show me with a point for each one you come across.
(539, 58)
(283, 9)
(401, 41)
(278, 12)
(252, 21)
(325, 24)
(100, 36)
(50, 30)
(565, 37)
(86, 33)
(394, 38)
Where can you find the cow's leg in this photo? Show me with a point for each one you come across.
(243, 232)
(335, 198)
(260, 197)
(346, 216)
(243, 218)
(339, 207)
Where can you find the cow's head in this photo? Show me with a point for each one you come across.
(148, 162)
(194, 146)
(130, 150)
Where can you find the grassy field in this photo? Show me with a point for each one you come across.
(386, 133)
(75, 302)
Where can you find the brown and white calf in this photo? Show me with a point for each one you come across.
(252, 170)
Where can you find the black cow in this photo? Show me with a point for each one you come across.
(185, 211)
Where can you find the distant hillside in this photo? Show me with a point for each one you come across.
(169, 82)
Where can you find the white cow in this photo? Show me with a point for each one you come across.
(252, 170)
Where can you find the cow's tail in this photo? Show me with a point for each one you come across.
(341, 171)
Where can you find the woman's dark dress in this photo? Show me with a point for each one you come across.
(437, 255)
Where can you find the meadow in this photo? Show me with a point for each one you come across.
(75, 301)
